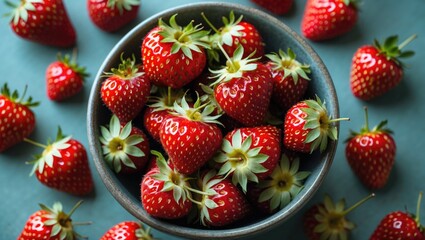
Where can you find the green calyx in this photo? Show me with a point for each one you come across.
(321, 126)
(198, 113)
(354, 3)
(285, 183)
(287, 62)
(187, 39)
(14, 96)
(163, 98)
(21, 11)
(208, 181)
(127, 69)
(380, 128)
(173, 180)
(51, 150)
(332, 223)
(235, 66)
(392, 51)
(241, 160)
(143, 233)
(122, 5)
(118, 144)
(60, 221)
(71, 62)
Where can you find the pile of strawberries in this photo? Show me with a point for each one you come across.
(225, 126)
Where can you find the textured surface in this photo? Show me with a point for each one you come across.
(24, 63)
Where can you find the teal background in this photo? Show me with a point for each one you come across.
(24, 63)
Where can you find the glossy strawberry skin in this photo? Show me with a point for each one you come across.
(279, 7)
(326, 19)
(372, 74)
(371, 156)
(161, 204)
(62, 81)
(48, 24)
(189, 144)
(125, 97)
(123, 230)
(397, 225)
(294, 132)
(70, 173)
(17, 121)
(110, 19)
(165, 69)
(286, 92)
(250, 39)
(246, 99)
(35, 226)
(153, 120)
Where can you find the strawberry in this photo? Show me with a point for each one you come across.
(51, 223)
(243, 89)
(377, 69)
(279, 7)
(172, 55)
(222, 202)
(126, 148)
(308, 127)
(375, 148)
(111, 15)
(290, 80)
(276, 191)
(43, 21)
(128, 230)
(326, 19)
(64, 78)
(233, 34)
(191, 136)
(17, 120)
(400, 225)
(126, 89)
(63, 165)
(164, 191)
(327, 220)
(249, 154)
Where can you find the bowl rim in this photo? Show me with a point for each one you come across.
(121, 194)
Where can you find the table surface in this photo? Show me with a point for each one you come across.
(23, 63)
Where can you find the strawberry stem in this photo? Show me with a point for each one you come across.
(233, 67)
(75, 208)
(366, 116)
(348, 210)
(339, 119)
(169, 103)
(418, 207)
(407, 41)
(209, 23)
(35, 143)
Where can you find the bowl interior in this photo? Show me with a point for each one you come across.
(276, 36)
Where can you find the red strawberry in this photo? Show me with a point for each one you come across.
(191, 137)
(126, 89)
(126, 148)
(327, 220)
(276, 191)
(308, 127)
(128, 230)
(279, 7)
(377, 69)
(249, 154)
(233, 34)
(50, 223)
(43, 21)
(64, 166)
(290, 80)
(223, 203)
(111, 15)
(173, 56)
(164, 191)
(400, 225)
(17, 120)
(326, 19)
(375, 148)
(243, 89)
(64, 78)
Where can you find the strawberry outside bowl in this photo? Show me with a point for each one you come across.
(276, 35)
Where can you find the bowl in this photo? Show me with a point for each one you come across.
(277, 35)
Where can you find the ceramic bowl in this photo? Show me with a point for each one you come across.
(277, 35)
